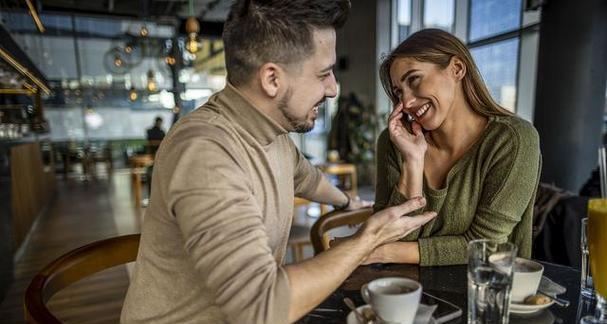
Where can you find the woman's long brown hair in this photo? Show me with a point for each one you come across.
(438, 47)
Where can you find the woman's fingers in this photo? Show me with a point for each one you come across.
(416, 128)
(396, 110)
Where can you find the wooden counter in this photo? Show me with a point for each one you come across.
(32, 187)
(26, 187)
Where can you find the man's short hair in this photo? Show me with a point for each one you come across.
(158, 120)
(279, 31)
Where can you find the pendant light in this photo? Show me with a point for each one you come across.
(152, 87)
(192, 27)
(144, 32)
(133, 94)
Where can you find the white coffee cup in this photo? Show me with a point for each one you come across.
(394, 299)
(526, 277)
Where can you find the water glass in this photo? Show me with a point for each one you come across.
(490, 267)
(587, 289)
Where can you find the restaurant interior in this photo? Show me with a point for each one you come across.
(88, 90)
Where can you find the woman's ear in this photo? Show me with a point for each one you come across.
(270, 76)
(458, 68)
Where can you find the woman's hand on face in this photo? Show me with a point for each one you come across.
(411, 146)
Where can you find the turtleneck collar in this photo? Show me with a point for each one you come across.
(242, 111)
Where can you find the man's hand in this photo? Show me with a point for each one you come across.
(391, 224)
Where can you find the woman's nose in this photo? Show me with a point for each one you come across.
(408, 101)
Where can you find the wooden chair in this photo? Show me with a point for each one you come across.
(347, 174)
(299, 238)
(73, 266)
(152, 146)
(334, 219)
(139, 163)
(299, 235)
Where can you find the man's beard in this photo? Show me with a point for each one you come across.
(299, 126)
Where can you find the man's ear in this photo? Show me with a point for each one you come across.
(271, 78)
(458, 68)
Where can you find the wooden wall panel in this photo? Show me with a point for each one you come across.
(32, 187)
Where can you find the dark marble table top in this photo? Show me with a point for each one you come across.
(449, 283)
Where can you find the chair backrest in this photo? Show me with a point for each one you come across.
(334, 219)
(73, 266)
(343, 170)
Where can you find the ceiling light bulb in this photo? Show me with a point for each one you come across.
(118, 61)
(128, 48)
(152, 86)
(151, 81)
(143, 32)
(192, 44)
(170, 60)
(133, 94)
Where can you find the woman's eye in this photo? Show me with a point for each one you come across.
(413, 78)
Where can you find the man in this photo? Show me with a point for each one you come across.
(154, 136)
(215, 234)
(155, 133)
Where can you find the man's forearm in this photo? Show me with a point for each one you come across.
(313, 280)
(326, 193)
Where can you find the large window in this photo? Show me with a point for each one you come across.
(439, 14)
(53, 55)
(498, 63)
(102, 123)
(403, 18)
(491, 17)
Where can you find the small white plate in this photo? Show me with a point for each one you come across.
(516, 308)
(352, 319)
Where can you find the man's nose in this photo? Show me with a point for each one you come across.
(331, 87)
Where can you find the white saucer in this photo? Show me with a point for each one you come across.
(352, 319)
(516, 308)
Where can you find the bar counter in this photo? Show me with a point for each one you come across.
(26, 187)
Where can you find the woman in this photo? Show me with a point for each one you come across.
(476, 164)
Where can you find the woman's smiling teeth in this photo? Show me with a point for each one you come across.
(421, 111)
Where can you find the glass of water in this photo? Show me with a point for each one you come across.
(489, 281)
(587, 285)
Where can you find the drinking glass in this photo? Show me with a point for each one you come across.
(587, 288)
(597, 246)
(489, 281)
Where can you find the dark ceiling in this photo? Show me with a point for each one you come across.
(162, 10)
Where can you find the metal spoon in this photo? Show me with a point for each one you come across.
(361, 318)
(559, 301)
